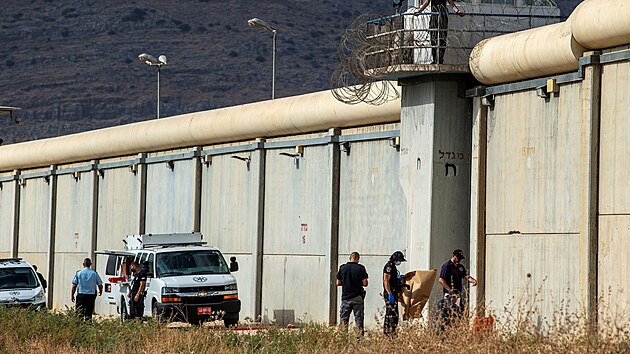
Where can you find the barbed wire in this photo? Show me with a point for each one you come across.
(375, 47)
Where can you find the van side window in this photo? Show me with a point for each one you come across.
(150, 264)
(110, 268)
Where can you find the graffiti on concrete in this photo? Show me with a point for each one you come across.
(449, 155)
(454, 167)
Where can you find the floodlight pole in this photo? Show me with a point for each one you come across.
(258, 23)
(158, 62)
(158, 91)
(273, 67)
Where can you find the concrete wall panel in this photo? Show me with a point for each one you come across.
(73, 232)
(7, 214)
(613, 284)
(533, 163)
(34, 232)
(615, 134)
(296, 284)
(298, 202)
(532, 277)
(170, 197)
(229, 202)
(229, 216)
(297, 233)
(371, 200)
(118, 215)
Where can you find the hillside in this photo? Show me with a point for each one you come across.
(72, 65)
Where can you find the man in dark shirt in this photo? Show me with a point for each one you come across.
(41, 278)
(352, 277)
(136, 294)
(452, 274)
(391, 290)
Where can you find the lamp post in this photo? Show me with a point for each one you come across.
(158, 62)
(258, 23)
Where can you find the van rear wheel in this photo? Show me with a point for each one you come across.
(124, 315)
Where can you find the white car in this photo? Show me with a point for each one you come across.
(186, 280)
(19, 285)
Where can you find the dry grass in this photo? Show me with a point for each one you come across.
(31, 332)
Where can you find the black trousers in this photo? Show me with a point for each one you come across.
(391, 318)
(136, 309)
(438, 25)
(85, 305)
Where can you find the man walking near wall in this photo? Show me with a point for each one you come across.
(452, 273)
(85, 283)
(352, 277)
(391, 290)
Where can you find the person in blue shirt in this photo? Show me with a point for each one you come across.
(85, 284)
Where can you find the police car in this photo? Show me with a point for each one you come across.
(186, 280)
(19, 285)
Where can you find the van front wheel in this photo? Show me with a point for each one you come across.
(155, 312)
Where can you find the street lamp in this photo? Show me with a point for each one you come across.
(158, 62)
(258, 23)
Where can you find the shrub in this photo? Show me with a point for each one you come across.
(30, 331)
(136, 15)
(185, 28)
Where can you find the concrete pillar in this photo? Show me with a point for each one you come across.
(589, 187)
(197, 191)
(259, 155)
(94, 232)
(51, 234)
(333, 174)
(141, 170)
(435, 135)
(15, 232)
(477, 255)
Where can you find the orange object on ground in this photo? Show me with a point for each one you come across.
(483, 324)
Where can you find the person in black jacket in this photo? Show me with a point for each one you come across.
(136, 293)
(392, 287)
(41, 278)
(352, 277)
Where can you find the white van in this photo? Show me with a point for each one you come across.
(186, 280)
(19, 285)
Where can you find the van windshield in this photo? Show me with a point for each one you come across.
(190, 263)
(17, 278)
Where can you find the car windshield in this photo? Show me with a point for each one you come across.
(190, 263)
(17, 278)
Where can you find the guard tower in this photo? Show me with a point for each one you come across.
(427, 53)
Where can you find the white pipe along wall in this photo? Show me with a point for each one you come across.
(552, 49)
(292, 115)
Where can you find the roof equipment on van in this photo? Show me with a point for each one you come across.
(138, 242)
(10, 260)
